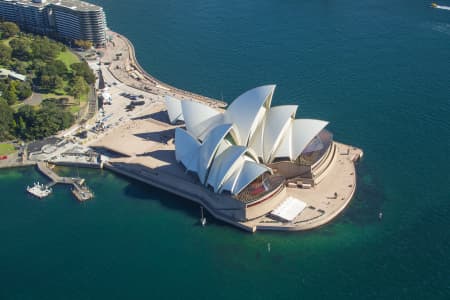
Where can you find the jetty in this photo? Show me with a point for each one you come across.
(79, 190)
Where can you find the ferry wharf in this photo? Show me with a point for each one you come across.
(79, 190)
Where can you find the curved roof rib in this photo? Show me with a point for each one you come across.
(248, 110)
(224, 165)
(186, 149)
(277, 124)
(256, 141)
(285, 147)
(250, 171)
(199, 118)
(209, 148)
(229, 184)
(174, 109)
(303, 131)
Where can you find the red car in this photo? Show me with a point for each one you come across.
(3, 157)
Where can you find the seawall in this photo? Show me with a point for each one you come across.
(135, 64)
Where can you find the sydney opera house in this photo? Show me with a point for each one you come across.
(260, 160)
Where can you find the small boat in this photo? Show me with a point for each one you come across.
(434, 5)
(39, 190)
(202, 219)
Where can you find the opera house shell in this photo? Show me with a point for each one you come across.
(249, 151)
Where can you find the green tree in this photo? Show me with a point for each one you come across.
(25, 118)
(57, 82)
(6, 121)
(5, 54)
(37, 124)
(55, 67)
(82, 69)
(23, 90)
(11, 93)
(3, 86)
(50, 82)
(79, 87)
(45, 82)
(83, 44)
(60, 67)
(44, 49)
(21, 48)
(19, 66)
(8, 29)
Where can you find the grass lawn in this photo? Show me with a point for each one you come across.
(68, 58)
(74, 109)
(6, 149)
(83, 99)
(16, 106)
(6, 41)
(50, 95)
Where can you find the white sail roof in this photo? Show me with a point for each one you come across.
(209, 148)
(199, 118)
(235, 141)
(249, 172)
(186, 149)
(229, 184)
(285, 147)
(247, 110)
(303, 131)
(174, 109)
(256, 141)
(224, 165)
(277, 122)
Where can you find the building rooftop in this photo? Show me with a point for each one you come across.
(71, 4)
(8, 73)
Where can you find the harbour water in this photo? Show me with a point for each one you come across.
(377, 70)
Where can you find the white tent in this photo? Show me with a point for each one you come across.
(289, 209)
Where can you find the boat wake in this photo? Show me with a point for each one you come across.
(441, 27)
(434, 5)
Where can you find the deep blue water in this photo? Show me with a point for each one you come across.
(377, 70)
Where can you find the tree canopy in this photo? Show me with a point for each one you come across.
(5, 54)
(21, 48)
(37, 58)
(82, 69)
(7, 123)
(37, 124)
(83, 44)
(8, 29)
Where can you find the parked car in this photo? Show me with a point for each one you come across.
(136, 103)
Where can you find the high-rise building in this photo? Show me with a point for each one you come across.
(62, 19)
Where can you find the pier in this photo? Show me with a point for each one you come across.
(79, 190)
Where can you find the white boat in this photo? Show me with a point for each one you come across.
(434, 5)
(202, 219)
(39, 190)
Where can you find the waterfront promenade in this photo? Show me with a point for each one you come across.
(120, 58)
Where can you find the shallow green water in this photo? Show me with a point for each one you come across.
(377, 70)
